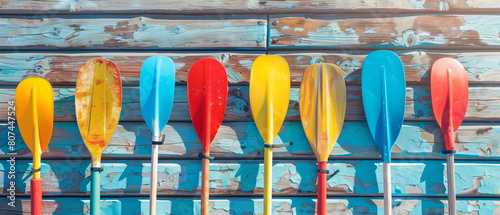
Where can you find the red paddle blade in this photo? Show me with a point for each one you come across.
(207, 97)
(450, 94)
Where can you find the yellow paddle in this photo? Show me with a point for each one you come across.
(269, 98)
(322, 102)
(98, 102)
(35, 115)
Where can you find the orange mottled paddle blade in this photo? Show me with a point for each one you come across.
(98, 102)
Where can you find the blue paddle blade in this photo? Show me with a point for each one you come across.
(383, 89)
(156, 86)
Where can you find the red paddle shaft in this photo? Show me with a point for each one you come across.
(36, 196)
(204, 184)
(321, 208)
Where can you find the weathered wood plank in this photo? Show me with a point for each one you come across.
(481, 67)
(62, 69)
(379, 31)
(165, 32)
(483, 104)
(242, 178)
(241, 140)
(245, 206)
(245, 6)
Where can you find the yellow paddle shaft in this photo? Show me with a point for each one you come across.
(268, 182)
(37, 150)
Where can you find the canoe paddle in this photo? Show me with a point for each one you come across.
(269, 99)
(383, 88)
(98, 103)
(207, 97)
(450, 95)
(156, 86)
(322, 102)
(34, 103)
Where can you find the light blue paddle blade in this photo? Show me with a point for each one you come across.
(383, 89)
(156, 86)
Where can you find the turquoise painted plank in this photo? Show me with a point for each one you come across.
(241, 140)
(348, 31)
(165, 32)
(243, 6)
(243, 178)
(247, 206)
(483, 104)
(62, 69)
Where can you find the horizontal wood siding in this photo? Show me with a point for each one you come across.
(385, 32)
(241, 140)
(134, 32)
(245, 178)
(482, 104)
(62, 69)
(245, 6)
(244, 206)
(52, 39)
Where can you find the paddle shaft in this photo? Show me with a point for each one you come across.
(205, 168)
(95, 190)
(154, 179)
(321, 207)
(387, 189)
(450, 161)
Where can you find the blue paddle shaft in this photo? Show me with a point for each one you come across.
(384, 98)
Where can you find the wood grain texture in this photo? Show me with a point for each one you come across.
(62, 69)
(244, 6)
(244, 178)
(245, 206)
(165, 32)
(482, 104)
(241, 140)
(383, 32)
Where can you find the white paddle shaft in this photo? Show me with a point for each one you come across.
(387, 189)
(154, 179)
(452, 197)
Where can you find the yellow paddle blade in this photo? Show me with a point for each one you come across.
(35, 112)
(322, 102)
(98, 102)
(269, 94)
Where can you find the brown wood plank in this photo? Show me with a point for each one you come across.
(383, 32)
(235, 6)
(165, 32)
(62, 69)
(241, 140)
(483, 104)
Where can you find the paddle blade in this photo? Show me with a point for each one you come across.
(450, 95)
(156, 86)
(269, 94)
(35, 111)
(98, 102)
(207, 96)
(322, 102)
(383, 88)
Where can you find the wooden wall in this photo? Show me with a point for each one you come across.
(52, 39)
